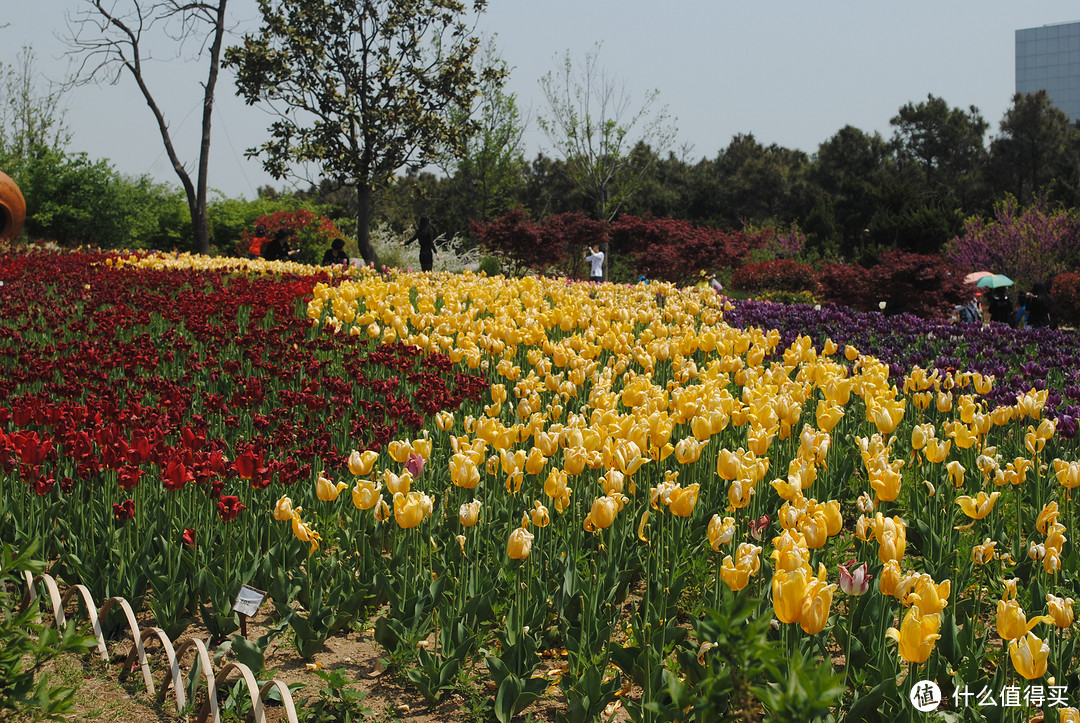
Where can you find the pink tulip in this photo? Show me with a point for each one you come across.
(857, 582)
(414, 465)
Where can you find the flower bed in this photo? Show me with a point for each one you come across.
(499, 472)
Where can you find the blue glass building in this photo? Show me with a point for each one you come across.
(1048, 58)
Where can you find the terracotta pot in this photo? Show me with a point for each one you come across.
(12, 208)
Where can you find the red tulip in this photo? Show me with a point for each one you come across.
(176, 475)
(229, 507)
(124, 511)
(188, 538)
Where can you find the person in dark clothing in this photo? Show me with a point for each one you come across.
(335, 255)
(278, 249)
(1001, 309)
(1039, 306)
(425, 234)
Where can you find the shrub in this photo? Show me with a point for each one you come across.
(788, 297)
(919, 284)
(677, 251)
(1029, 244)
(778, 275)
(314, 233)
(514, 238)
(1065, 299)
(566, 235)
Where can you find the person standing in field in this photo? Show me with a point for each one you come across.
(258, 240)
(595, 258)
(425, 234)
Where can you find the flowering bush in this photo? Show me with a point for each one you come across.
(1028, 244)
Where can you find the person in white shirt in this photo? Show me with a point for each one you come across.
(596, 259)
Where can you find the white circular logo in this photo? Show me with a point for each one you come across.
(925, 696)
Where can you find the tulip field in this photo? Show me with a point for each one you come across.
(584, 501)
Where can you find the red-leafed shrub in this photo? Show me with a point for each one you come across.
(919, 284)
(516, 239)
(313, 233)
(672, 250)
(565, 236)
(1065, 299)
(775, 275)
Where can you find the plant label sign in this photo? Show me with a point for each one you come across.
(248, 601)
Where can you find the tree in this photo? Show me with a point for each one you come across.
(488, 173)
(360, 88)
(29, 120)
(594, 124)
(947, 142)
(112, 38)
(1033, 147)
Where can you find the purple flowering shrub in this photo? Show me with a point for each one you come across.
(1028, 244)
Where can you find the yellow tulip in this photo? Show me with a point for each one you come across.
(1067, 473)
(936, 451)
(539, 515)
(891, 535)
(736, 572)
(535, 462)
(1047, 516)
(366, 494)
(979, 506)
(283, 510)
(444, 420)
(815, 607)
(1068, 715)
(602, 514)
(399, 451)
(890, 578)
(360, 463)
(469, 513)
(464, 472)
(956, 473)
(920, 435)
(574, 459)
(1012, 623)
(683, 502)
(1061, 610)
(739, 493)
(814, 529)
(326, 490)
(885, 480)
(396, 483)
(688, 450)
(720, 531)
(411, 509)
(1029, 656)
(303, 531)
(734, 577)
(916, 636)
(984, 553)
(729, 465)
(520, 544)
(834, 523)
(788, 591)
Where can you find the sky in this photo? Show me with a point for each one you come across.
(790, 72)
